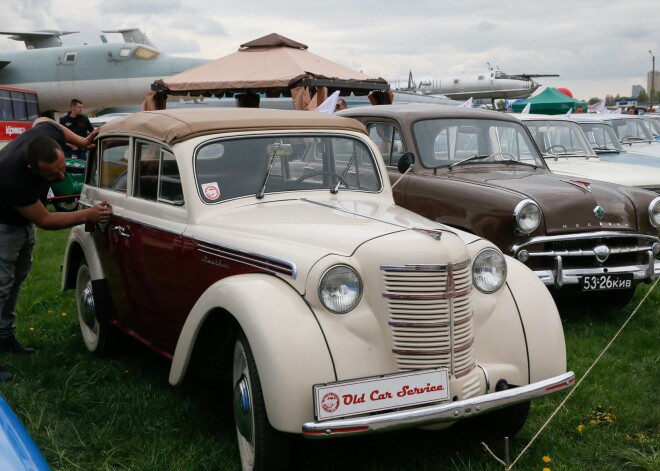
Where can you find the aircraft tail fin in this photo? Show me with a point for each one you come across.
(132, 35)
(39, 39)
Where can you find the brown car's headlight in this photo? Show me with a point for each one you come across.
(654, 212)
(340, 289)
(527, 215)
(489, 270)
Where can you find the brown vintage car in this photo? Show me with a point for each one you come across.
(482, 172)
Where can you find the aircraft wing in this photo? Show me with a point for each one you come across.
(39, 39)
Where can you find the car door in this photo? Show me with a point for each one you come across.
(152, 230)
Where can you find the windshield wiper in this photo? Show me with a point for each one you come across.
(262, 190)
(474, 157)
(634, 139)
(335, 190)
(517, 162)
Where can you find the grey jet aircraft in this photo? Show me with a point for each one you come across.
(101, 75)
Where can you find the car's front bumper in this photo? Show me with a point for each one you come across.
(439, 413)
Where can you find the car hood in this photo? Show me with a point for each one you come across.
(615, 172)
(648, 148)
(303, 231)
(568, 204)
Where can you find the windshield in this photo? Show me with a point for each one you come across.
(630, 130)
(446, 142)
(257, 166)
(653, 124)
(564, 138)
(601, 137)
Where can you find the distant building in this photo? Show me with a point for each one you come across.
(636, 90)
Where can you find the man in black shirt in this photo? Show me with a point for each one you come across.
(28, 165)
(79, 124)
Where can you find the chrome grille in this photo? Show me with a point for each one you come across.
(430, 314)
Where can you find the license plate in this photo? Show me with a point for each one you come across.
(366, 395)
(607, 282)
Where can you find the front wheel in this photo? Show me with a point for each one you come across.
(94, 333)
(261, 447)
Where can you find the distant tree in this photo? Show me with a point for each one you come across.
(593, 101)
(500, 104)
(609, 100)
(642, 97)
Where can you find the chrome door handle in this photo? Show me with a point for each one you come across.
(121, 231)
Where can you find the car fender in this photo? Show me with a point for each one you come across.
(516, 327)
(541, 321)
(287, 343)
(79, 242)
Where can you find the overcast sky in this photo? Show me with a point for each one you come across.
(598, 47)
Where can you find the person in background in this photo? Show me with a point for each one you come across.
(28, 165)
(341, 104)
(579, 109)
(79, 124)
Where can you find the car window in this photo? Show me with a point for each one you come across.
(559, 137)
(114, 155)
(232, 168)
(443, 142)
(157, 175)
(387, 138)
(601, 136)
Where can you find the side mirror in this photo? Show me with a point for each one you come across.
(406, 161)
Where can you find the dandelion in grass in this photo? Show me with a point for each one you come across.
(63, 314)
(580, 428)
(31, 329)
(546, 459)
(546, 469)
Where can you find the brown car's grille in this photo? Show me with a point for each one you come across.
(268, 264)
(430, 310)
(580, 252)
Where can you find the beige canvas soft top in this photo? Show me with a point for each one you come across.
(176, 125)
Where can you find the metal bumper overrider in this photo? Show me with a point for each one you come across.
(435, 414)
(559, 276)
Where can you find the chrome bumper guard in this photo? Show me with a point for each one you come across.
(560, 276)
(439, 413)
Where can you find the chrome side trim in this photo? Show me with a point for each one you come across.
(446, 412)
(266, 263)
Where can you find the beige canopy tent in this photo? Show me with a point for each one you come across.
(273, 66)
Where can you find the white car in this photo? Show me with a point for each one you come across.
(633, 131)
(567, 152)
(328, 310)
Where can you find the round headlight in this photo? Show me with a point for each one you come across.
(654, 212)
(528, 216)
(340, 289)
(489, 270)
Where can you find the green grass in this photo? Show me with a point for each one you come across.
(120, 413)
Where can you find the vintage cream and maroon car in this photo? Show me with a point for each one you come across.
(481, 171)
(330, 310)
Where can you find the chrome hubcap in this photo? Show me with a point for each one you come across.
(243, 408)
(87, 308)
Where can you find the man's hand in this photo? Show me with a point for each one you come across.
(100, 212)
(88, 142)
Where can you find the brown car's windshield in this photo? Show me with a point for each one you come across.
(256, 166)
(449, 142)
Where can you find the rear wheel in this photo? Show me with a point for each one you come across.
(94, 333)
(261, 447)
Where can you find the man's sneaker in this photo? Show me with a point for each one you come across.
(5, 376)
(11, 345)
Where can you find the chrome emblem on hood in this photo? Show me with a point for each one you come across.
(599, 212)
(581, 184)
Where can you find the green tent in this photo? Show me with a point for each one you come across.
(549, 101)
